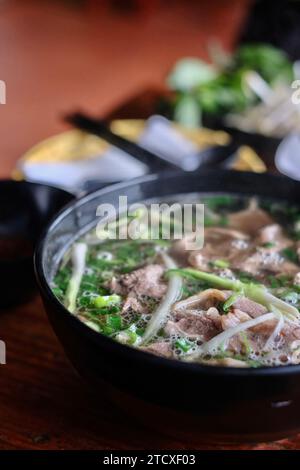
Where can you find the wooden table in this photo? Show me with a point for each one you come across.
(48, 56)
(44, 404)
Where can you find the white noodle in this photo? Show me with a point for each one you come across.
(276, 331)
(284, 307)
(159, 317)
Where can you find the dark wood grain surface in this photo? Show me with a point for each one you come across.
(48, 54)
(44, 404)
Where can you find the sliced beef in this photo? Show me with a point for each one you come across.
(200, 260)
(142, 282)
(250, 220)
(219, 243)
(198, 323)
(266, 328)
(202, 301)
(132, 303)
(250, 307)
(171, 328)
(236, 345)
(160, 348)
(193, 326)
(256, 337)
(214, 315)
(179, 249)
(290, 333)
(244, 253)
(261, 261)
(201, 326)
(274, 235)
(234, 318)
(217, 233)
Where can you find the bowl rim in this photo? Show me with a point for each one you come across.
(143, 356)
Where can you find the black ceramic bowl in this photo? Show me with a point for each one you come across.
(25, 210)
(187, 400)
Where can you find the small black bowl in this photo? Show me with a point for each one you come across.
(25, 209)
(182, 399)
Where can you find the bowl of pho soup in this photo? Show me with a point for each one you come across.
(205, 329)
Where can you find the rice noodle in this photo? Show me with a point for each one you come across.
(159, 317)
(276, 331)
(285, 308)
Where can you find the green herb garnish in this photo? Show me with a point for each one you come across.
(183, 344)
(290, 254)
(220, 263)
(230, 301)
(269, 244)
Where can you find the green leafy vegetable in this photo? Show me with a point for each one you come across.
(271, 63)
(183, 344)
(202, 89)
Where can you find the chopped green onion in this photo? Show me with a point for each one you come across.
(58, 292)
(216, 202)
(106, 300)
(127, 336)
(290, 254)
(231, 300)
(291, 297)
(140, 331)
(218, 281)
(183, 344)
(245, 340)
(131, 335)
(221, 221)
(269, 244)
(93, 325)
(112, 325)
(220, 263)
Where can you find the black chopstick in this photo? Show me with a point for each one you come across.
(98, 127)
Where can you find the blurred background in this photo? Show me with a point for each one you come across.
(119, 58)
